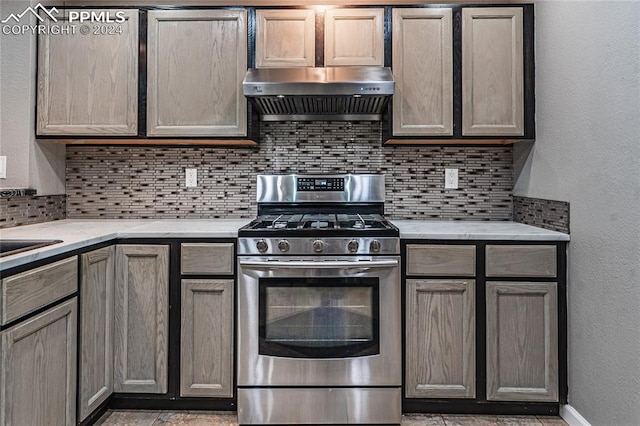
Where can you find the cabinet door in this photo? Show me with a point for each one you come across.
(96, 329)
(521, 260)
(422, 69)
(206, 354)
(36, 288)
(285, 38)
(38, 382)
(440, 339)
(441, 260)
(354, 37)
(88, 84)
(522, 341)
(141, 318)
(207, 258)
(492, 71)
(196, 62)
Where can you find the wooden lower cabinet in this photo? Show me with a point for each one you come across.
(141, 318)
(97, 286)
(522, 260)
(441, 260)
(38, 365)
(522, 341)
(206, 352)
(36, 288)
(207, 258)
(440, 338)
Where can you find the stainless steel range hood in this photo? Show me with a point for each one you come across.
(305, 93)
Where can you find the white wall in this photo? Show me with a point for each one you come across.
(587, 152)
(30, 163)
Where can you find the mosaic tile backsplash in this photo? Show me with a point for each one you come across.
(148, 182)
(548, 214)
(27, 210)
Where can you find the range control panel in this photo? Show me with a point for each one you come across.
(320, 184)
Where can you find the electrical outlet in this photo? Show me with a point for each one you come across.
(450, 178)
(191, 178)
(3, 167)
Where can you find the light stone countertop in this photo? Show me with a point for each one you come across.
(474, 230)
(80, 233)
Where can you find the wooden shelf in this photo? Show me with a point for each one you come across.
(152, 142)
(452, 141)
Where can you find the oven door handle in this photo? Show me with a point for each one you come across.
(368, 264)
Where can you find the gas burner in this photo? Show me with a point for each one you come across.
(321, 222)
(338, 214)
(357, 221)
(318, 224)
(318, 221)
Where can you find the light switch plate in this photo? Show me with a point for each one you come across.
(191, 178)
(3, 167)
(450, 178)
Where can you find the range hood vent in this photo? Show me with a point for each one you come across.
(305, 94)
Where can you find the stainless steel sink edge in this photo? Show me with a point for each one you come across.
(10, 246)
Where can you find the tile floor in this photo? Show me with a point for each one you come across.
(211, 418)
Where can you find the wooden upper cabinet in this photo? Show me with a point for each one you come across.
(422, 68)
(492, 71)
(88, 84)
(196, 62)
(285, 38)
(354, 37)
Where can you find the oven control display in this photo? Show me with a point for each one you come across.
(320, 184)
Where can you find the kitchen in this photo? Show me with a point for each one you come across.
(566, 162)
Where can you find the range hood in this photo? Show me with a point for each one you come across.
(306, 93)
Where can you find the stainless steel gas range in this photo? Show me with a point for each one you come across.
(319, 328)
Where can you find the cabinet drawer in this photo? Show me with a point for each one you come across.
(521, 261)
(437, 259)
(206, 258)
(30, 290)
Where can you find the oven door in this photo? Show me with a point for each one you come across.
(319, 322)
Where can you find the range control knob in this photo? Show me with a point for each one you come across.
(262, 246)
(375, 246)
(318, 246)
(352, 246)
(283, 245)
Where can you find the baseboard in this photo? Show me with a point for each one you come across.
(572, 417)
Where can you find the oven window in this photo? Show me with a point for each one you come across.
(319, 317)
